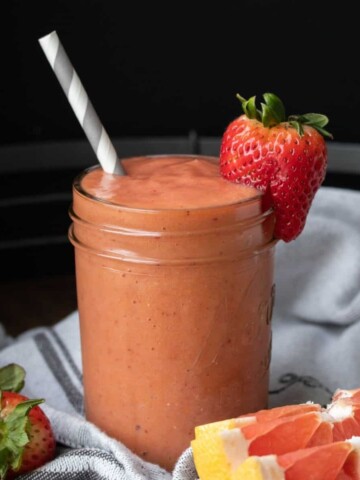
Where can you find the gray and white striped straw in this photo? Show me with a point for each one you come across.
(81, 104)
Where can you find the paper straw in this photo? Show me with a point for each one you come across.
(81, 104)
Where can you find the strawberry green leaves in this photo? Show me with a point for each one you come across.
(14, 436)
(273, 113)
(12, 378)
(249, 107)
(273, 110)
(315, 120)
(26, 437)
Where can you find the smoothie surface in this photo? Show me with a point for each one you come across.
(167, 182)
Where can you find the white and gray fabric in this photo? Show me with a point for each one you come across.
(316, 336)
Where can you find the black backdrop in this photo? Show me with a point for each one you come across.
(169, 69)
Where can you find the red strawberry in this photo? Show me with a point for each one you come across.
(286, 159)
(26, 437)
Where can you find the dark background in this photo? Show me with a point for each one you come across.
(152, 71)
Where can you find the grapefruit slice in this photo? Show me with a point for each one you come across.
(219, 453)
(334, 461)
(262, 439)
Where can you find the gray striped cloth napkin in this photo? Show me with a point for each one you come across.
(316, 332)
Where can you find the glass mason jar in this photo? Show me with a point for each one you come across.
(175, 309)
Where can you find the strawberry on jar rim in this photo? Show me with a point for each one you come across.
(284, 158)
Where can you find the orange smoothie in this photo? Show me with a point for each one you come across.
(174, 269)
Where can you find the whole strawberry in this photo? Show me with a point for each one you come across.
(284, 158)
(26, 437)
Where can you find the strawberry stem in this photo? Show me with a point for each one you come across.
(273, 113)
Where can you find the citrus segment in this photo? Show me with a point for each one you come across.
(346, 418)
(340, 393)
(322, 435)
(259, 468)
(317, 463)
(260, 416)
(287, 434)
(215, 427)
(285, 411)
(334, 461)
(211, 459)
